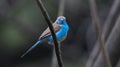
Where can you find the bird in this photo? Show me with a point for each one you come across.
(61, 30)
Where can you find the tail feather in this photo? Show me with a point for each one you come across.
(37, 43)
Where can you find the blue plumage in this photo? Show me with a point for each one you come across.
(39, 41)
(61, 29)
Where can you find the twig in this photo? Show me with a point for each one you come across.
(49, 22)
(54, 60)
(61, 8)
(96, 22)
(106, 30)
(60, 13)
(108, 22)
(112, 45)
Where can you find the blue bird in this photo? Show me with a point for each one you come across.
(61, 29)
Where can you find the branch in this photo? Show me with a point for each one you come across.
(108, 22)
(106, 30)
(54, 59)
(49, 22)
(96, 22)
(61, 8)
(112, 45)
(60, 13)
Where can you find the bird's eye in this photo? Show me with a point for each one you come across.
(62, 19)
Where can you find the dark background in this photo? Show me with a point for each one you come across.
(21, 23)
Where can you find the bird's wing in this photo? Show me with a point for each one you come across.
(47, 32)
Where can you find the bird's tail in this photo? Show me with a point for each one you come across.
(39, 41)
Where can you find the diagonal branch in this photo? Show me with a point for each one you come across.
(108, 22)
(49, 22)
(105, 33)
(60, 13)
(96, 22)
(112, 45)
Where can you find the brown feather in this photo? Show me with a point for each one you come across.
(47, 32)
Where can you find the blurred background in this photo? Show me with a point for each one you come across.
(21, 23)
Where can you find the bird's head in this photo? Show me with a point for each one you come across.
(61, 20)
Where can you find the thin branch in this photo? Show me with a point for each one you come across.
(61, 8)
(105, 33)
(96, 22)
(108, 22)
(60, 13)
(112, 45)
(49, 22)
(54, 59)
